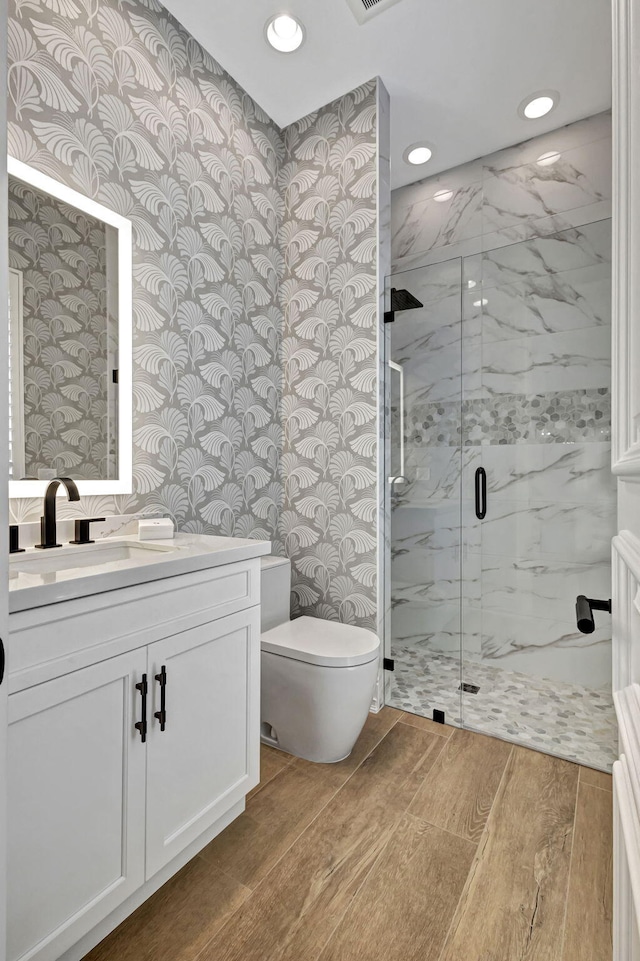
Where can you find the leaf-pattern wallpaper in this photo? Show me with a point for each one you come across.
(61, 254)
(233, 220)
(330, 365)
(117, 100)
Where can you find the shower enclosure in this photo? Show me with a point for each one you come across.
(502, 502)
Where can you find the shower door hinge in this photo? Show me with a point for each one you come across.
(388, 664)
(389, 316)
(438, 716)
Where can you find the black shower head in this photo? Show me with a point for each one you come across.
(403, 300)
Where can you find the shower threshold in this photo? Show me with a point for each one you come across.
(563, 719)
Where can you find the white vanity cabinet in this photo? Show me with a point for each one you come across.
(76, 805)
(101, 811)
(203, 761)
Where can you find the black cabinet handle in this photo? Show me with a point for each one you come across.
(481, 493)
(141, 725)
(2, 661)
(161, 715)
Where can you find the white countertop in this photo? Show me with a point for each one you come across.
(35, 579)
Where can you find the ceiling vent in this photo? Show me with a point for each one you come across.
(364, 10)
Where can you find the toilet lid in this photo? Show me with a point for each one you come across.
(322, 642)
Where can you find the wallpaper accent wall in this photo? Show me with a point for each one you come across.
(119, 102)
(61, 254)
(242, 233)
(329, 242)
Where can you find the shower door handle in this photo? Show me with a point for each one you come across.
(481, 493)
(400, 479)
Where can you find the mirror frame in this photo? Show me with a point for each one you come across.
(123, 484)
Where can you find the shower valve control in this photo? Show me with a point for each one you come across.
(585, 606)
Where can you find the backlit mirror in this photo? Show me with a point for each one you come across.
(70, 338)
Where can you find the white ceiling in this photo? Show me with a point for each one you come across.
(456, 70)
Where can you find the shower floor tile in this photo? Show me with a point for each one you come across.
(563, 719)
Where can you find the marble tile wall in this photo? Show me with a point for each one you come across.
(507, 196)
(507, 366)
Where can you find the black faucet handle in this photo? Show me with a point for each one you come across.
(83, 531)
(14, 540)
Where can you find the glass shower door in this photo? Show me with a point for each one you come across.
(425, 378)
(502, 500)
(536, 420)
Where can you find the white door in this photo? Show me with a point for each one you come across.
(76, 809)
(626, 465)
(4, 463)
(206, 758)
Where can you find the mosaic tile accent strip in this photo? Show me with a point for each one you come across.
(557, 417)
(554, 418)
(566, 720)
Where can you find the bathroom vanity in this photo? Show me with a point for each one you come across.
(133, 674)
(133, 667)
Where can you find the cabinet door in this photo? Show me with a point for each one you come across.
(76, 801)
(207, 757)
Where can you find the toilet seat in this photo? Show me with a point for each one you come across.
(327, 643)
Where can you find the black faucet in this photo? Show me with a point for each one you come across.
(48, 522)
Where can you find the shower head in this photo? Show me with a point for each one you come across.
(401, 300)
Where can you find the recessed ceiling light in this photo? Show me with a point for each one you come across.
(538, 104)
(538, 108)
(471, 284)
(284, 33)
(481, 303)
(546, 159)
(418, 153)
(441, 196)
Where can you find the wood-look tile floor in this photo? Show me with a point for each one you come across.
(428, 843)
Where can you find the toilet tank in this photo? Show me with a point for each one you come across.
(275, 592)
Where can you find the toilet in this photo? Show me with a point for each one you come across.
(318, 677)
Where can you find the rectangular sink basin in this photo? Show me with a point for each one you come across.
(38, 578)
(92, 555)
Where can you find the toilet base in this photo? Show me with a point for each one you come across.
(314, 712)
(271, 742)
